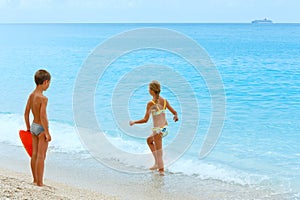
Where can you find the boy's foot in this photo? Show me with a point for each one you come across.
(40, 184)
(154, 167)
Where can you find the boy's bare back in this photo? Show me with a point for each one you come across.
(36, 102)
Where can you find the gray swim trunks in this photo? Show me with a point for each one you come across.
(36, 129)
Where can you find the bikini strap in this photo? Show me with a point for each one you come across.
(165, 104)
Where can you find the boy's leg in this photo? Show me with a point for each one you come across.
(41, 155)
(33, 158)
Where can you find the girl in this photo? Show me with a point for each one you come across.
(157, 108)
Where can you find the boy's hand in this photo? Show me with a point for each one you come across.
(48, 137)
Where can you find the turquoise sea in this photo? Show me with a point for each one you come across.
(260, 69)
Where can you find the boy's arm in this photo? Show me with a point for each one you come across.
(146, 117)
(26, 114)
(44, 119)
(173, 111)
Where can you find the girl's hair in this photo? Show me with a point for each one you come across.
(155, 87)
(41, 76)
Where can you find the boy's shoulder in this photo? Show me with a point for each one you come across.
(38, 97)
(43, 98)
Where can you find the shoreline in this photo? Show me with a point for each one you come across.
(89, 177)
(15, 185)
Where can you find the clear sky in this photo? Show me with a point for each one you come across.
(203, 11)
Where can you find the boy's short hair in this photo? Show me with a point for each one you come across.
(41, 76)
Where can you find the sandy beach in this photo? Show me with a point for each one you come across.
(14, 185)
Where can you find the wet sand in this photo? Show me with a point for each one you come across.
(73, 177)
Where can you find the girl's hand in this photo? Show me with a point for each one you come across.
(175, 118)
(131, 123)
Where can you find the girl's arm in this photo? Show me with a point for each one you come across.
(146, 117)
(173, 111)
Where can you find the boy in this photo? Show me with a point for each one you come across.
(37, 104)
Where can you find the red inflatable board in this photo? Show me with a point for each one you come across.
(26, 139)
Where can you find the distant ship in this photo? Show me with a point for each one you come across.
(262, 21)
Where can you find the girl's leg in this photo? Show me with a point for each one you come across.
(159, 153)
(151, 144)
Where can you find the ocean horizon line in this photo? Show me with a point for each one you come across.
(109, 23)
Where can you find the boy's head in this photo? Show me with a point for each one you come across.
(41, 76)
